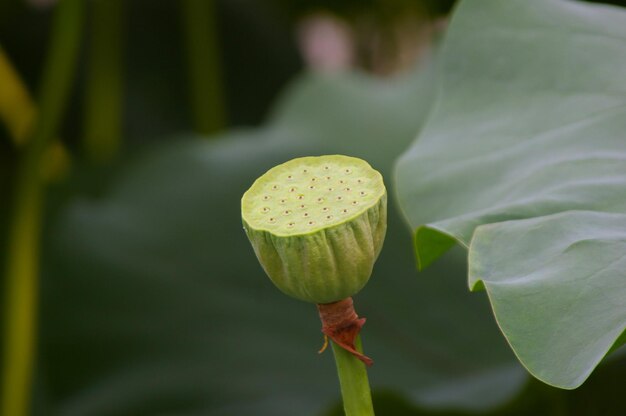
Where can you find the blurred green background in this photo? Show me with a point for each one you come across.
(122, 246)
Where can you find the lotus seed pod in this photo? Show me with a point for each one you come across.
(317, 225)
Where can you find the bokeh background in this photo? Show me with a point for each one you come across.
(121, 214)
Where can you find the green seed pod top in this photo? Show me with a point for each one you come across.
(317, 225)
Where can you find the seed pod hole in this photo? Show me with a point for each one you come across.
(311, 189)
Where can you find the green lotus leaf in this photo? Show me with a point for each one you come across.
(523, 160)
(153, 301)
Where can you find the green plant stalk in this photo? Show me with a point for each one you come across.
(355, 387)
(17, 109)
(19, 114)
(205, 88)
(104, 83)
(24, 232)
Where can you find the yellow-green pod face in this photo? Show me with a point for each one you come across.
(317, 225)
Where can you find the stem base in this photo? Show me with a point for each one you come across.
(341, 324)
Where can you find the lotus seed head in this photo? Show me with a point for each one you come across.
(325, 253)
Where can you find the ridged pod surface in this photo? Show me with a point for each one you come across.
(317, 225)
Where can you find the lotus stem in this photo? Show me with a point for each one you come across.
(355, 387)
(23, 245)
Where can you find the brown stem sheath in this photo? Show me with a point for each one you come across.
(341, 324)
